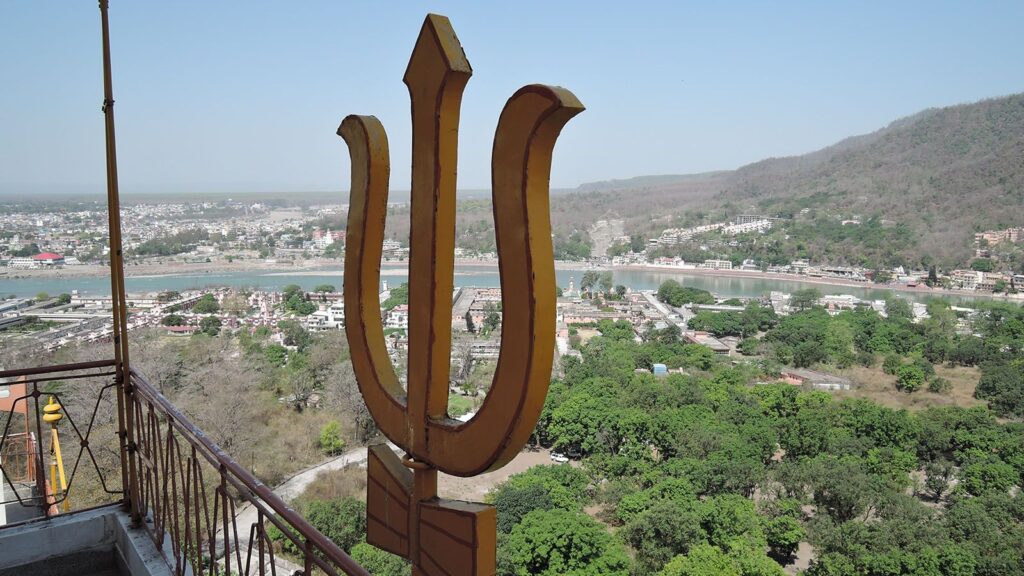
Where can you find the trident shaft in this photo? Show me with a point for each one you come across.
(405, 516)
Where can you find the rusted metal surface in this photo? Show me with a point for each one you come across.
(192, 490)
(188, 488)
(24, 444)
(405, 515)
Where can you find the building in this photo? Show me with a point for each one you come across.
(48, 259)
(397, 318)
(324, 238)
(43, 260)
(716, 265)
(330, 317)
(705, 339)
(814, 379)
(966, 279)
(22, 262)
(747, 227)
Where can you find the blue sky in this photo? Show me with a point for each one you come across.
(246, 96)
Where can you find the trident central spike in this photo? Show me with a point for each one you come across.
(405, 516)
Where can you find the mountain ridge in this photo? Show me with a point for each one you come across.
(943, 172)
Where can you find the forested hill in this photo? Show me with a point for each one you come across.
(944, 173)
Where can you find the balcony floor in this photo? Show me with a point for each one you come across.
(99, 542)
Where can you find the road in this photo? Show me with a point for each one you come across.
(247, 515)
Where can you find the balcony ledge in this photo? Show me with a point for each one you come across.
(98, 542)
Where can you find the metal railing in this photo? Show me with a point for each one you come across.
(204, 512)
(27, 440)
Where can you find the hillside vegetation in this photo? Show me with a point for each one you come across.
(942, 173)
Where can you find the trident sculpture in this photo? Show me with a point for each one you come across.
(405, 515)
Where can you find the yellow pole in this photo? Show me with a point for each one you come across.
(52, 416)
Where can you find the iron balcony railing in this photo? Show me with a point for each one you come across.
(203, 511)
(40, 476)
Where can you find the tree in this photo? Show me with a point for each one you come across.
(566, 486)
(891, 364)
(674, 294)
(42, 296)
(804, 299)
(298, 304)
(909, 378)
(665, 530)
(173, 320)
(707, 560)
(396, 296)
(896, 307)
(324, 288)
(64, 299)
(784, 534)
(1002, 384)
(938, 475)
(558, 542)
(470, 326)
(512, 503)
(210, 325)
(605, 281)
(749, 346)
(290, 290)
(492, 319)
(207, 304)
(294, 334)
(983, 265)
(989, 474)
(276, 354)
(331, 442)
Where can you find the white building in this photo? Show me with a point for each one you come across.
(330, 317)
(716, 265)
(398, 318)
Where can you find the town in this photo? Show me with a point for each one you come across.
(274, 234)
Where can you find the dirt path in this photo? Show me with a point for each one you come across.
(474, 489)
(246, 515)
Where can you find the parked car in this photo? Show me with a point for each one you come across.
(559, 457)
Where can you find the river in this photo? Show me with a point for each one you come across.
(482, 276)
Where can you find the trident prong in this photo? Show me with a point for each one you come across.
(404, 514)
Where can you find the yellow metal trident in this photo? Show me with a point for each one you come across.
(405, 516)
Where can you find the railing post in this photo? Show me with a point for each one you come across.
(223, 488)
(307, 564)
(37, 454)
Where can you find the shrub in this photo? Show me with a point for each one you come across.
(909, 378)
(891, 364)
(940, 385)
(331, 441)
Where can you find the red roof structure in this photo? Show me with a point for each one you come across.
(47, 256)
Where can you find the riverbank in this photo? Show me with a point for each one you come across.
(168, 268)
(310, 267)
(803, 279)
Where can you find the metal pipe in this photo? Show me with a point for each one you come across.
(56, 368)
(118, 304)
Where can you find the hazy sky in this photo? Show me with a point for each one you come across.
(246, 96)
